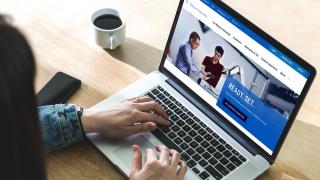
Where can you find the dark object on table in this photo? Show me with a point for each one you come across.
(58, 90)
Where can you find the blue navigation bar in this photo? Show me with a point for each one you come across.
(257, 38)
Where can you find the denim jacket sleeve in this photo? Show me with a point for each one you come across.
(60, 126)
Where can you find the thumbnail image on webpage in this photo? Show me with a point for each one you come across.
(245, 91)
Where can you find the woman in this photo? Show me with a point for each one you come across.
(65, 124)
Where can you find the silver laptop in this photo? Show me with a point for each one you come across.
(229, 122)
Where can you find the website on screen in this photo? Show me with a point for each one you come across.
(246, 80)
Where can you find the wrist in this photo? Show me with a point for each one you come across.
(87, 121)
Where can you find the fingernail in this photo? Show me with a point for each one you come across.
(153, 127)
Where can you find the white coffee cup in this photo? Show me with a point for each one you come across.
(109, 38)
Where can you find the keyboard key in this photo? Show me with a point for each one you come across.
(175, 128)
(166, 101)
(235, 152)
(172, 135)
(190, 152)
(194, 144)
(224, 161)
(178, 111)
(220, 148)
(191, 163)
(202, 132)
(172, 106)
(190, 114)
(230, 166)
(204, 175)
(235, 161)
(155, 91)
(196, 119)
(199, 139)
(160, 96)
(213, 172)
(227, 153)
(190, 121)
(209, 130)
(229, 147)
(196, 157)
(184, 109)
(222, 169)
(166, 93)
(213, 161)
(211, 149)
(165, 129)
(181, 123)
(178, 140)
(195, 170)
(174, 118)
(208, 137)
(243, 159)
(222, 141)
(178, 104)
(203, 163)
(215, 135)
(151, 96)
(206, 155)
(172, 98)
(184, 116)
(160, 88)
(171, 123)
(185, 157)
(205, 144)
(186, 128)
(192, 133)
(200, 150)
(165, 140)
(202, 124)
(184, 146)
(169, 112)
(187, 139)
(214, 142)
(217, 155)
(181, 133)
(195, 126)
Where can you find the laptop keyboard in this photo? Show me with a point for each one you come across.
(205, 152)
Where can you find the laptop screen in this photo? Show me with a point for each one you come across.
(247, 80)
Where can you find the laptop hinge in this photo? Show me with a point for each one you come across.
(213, 117)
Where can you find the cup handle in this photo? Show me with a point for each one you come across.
(112, 42)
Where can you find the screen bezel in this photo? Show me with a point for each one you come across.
(274, 43)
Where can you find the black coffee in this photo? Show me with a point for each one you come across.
(108, 22)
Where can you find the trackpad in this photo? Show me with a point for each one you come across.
(125, 154)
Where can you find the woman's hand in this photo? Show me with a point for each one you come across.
(166, 167)
(132, 116)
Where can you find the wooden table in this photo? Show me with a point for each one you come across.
(59, 32)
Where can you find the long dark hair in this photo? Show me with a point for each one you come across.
(21, 144)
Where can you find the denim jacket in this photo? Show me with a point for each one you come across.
(60, 126)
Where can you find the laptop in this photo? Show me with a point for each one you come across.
(231, 124)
